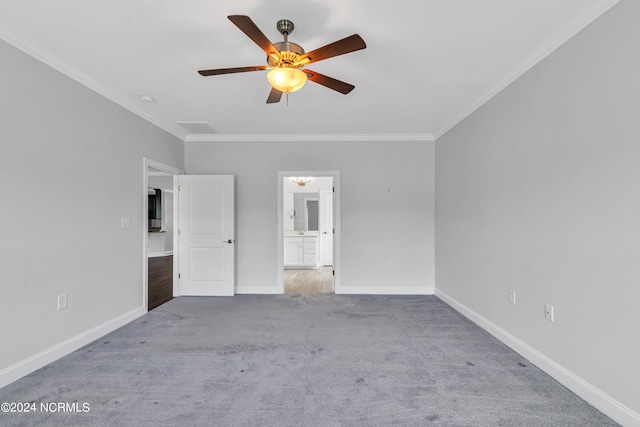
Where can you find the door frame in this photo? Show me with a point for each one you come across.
(322, 241)
(153, 164)
(336, 224)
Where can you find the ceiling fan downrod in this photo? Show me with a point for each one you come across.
(290, 51)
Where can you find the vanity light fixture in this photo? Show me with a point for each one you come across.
(300, 180)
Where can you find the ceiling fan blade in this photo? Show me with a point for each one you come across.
(252, 31)
(329, 82)
(231, 70)
(340, 47)
(274, 96)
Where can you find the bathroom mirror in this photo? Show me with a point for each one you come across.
(305, 212)
(311, 214)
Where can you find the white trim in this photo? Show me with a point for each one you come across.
(51, 354)
(280, 226)
(146, 164)
(596, 397)
(386, 290)
(408, 137)
(258, 290)
(589, 14)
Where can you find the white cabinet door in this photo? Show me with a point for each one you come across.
(206, 235)
(293, 251)
(301, 251)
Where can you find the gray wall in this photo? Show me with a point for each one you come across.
(72, 166)
(538, 191)
(386, 191)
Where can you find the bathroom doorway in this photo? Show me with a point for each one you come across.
(307, 230)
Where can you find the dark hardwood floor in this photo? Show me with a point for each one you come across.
(160, 281)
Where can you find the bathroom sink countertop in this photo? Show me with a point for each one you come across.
(293, 233)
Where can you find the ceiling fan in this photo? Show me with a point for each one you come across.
(286, 60)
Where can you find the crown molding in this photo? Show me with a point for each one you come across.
(420, 137)
(18, 41)
(590, 13)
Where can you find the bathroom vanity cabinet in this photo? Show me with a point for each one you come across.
(301, 251)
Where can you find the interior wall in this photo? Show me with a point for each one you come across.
(72, 167)
(386, 191)
(538, 192)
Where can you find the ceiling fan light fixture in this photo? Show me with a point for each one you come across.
(285, 59)
(286, 79)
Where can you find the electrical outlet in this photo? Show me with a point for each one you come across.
(512, 296)
(125, 222)
(62, 301)
(389, 264)
(245, 263)
(548, 312)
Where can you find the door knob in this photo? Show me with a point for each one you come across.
(227, 241)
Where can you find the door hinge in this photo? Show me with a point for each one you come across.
(179, 188)
(333, 272)
(334, 231)
(333, 189)
(178, 275)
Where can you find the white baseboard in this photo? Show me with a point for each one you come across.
(37, 361)
(596, 397)
(347, 290)
(258, 290)
(159, 254)
(385, 290)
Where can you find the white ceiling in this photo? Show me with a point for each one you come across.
(428, 63)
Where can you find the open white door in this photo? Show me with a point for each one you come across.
(326, 227)
(206, 237)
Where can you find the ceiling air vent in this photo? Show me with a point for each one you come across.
(197, 127)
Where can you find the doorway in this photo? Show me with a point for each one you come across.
(308, 232)
(158, 233)
(159, 238)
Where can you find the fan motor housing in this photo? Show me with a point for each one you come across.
(290, 53)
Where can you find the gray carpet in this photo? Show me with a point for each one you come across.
(305, 360)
